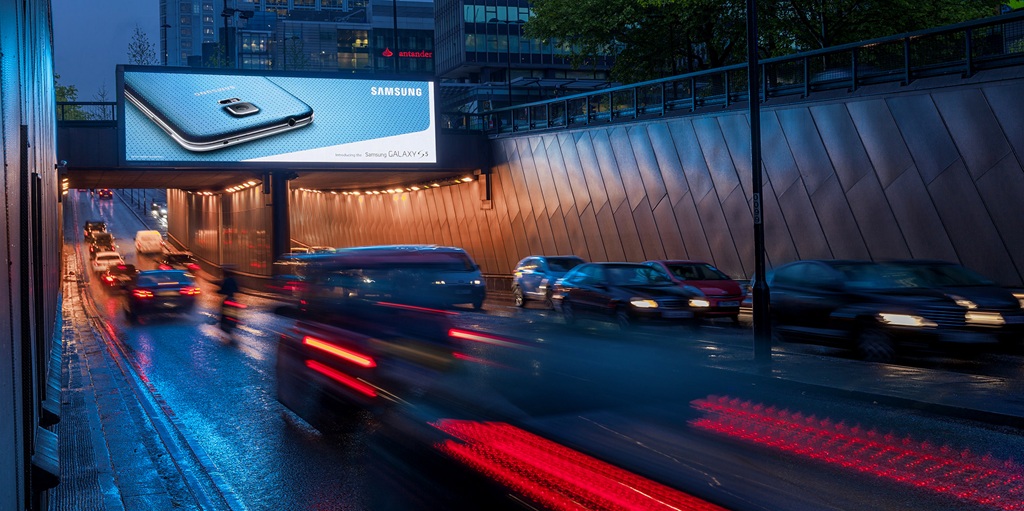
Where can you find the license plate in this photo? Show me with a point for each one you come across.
(729, 304)
(677, 314)
(167, 293)
(462, 291)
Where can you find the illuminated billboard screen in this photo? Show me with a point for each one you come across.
(184, 117)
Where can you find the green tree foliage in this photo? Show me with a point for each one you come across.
(657, 38)
(140, 50)
(67, 93)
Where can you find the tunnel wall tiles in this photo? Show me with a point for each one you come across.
(923, 174)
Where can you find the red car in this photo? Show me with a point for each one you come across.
(722, 294)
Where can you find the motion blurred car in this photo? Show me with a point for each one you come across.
(880, 310)
(422, 275)
(722, 295)
(93, 226)
(119, 276)
(105, 193)
(534, 276)
(102, 242)
(160, 292)
(178, 261)
(624, 293)
(102, 261)
(158, 209)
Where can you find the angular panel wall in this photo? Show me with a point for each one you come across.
(923, 174)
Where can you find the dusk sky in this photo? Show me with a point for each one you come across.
(90, 38)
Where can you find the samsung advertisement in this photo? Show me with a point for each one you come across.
(182, 117)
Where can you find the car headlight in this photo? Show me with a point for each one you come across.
(984, 318)
(475, 282)
(963, 302)
(643, 303)
(699, 302)
(1020, 299)
(439, 282)
(904, 320)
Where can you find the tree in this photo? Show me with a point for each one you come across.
(658, 38)
(67, 94)
(140, 50)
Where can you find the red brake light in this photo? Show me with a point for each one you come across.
(189, 290)
(142, 293)
(356, 358)
(108, 278)
(193, 266)
(165, 267)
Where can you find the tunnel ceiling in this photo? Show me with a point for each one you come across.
(215, 180)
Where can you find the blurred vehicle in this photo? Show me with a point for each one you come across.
(299, 250)
(625, 293)
(362, 354)
(102, 261)
(119, 276)
(149, 242)
(101, 242)
(424, 275)
(879, 310)
(93, 226)
(105, 193)
(721, 293)
(158, 209)
(160, 292)
(534, 276)
(178, 261)
(321, 250)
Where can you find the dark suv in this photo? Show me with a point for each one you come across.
(879, 309)
(535, 275)
(102, 242)
(92, 226)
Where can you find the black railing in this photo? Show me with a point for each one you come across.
(963, 49)
(86, 111)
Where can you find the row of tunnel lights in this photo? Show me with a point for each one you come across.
(414, 188)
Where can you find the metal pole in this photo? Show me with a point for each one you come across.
(762, 328)
(508, 57)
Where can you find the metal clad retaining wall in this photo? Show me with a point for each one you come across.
(928, 171)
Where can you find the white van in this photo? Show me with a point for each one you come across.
(149, 242)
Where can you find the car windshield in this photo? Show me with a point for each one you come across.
(636, 275)
(942, 275)
(102, 238)
(876, 276)
(108, 257)
(696, 271)
(563, 264)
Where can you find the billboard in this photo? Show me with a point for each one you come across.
(183, 117)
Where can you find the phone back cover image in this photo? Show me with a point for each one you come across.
(197, 107)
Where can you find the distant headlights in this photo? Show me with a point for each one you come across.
(699, 302)
(1020, 298)
(643, 303)
(904, 320)
(984, 318)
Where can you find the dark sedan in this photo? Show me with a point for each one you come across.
(119, 276)
(102, 242)
(178, 261)
(624, 293)
(160, 292)
(92, 227)
(877, 310)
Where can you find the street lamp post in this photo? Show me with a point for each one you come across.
(762, 328)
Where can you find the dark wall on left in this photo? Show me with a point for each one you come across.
(30, 245)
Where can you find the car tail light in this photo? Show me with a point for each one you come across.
(348, 355)
(142, 293)
(193, 266)
(189, 290)
(108, 278)
(165, 267)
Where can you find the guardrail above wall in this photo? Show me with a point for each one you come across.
(964, 49)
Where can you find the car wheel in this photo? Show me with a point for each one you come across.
(568, 313)
(517, 297)
(623, 319)
(874, 345)
(548, 302)
(478, 305)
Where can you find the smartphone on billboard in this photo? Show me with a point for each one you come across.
(204, 112)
